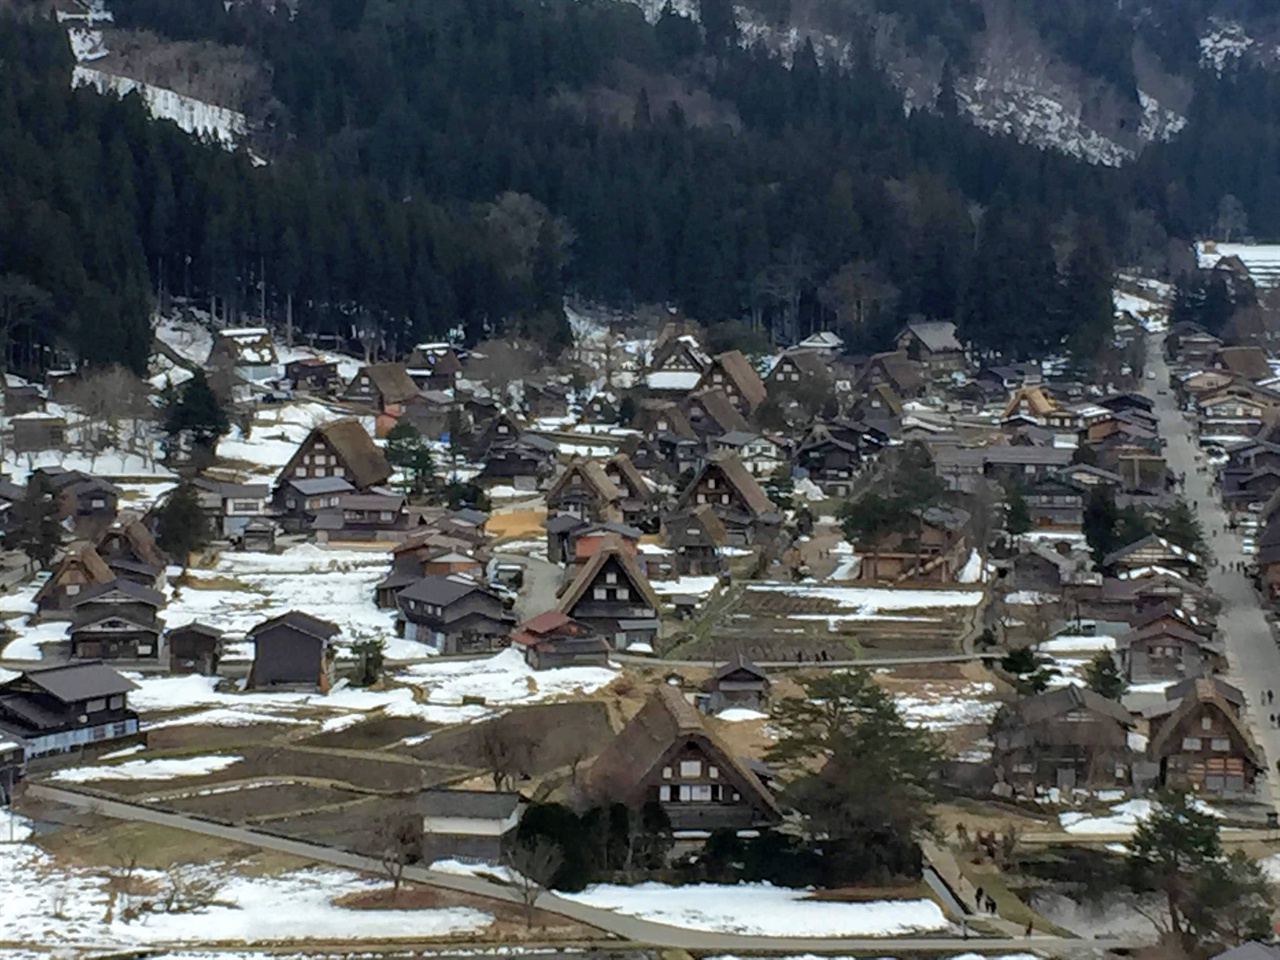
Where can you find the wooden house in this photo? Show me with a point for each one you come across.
(20, 398)
(80, 568)
(736, 497)
(116, 621)
(636, 500)
(1166, 650)
(1246, 362)
(434, 366)
(37, 431)
(1190, 345)
(696, 537)
(339, 449)
(666, 754)
(229, 506)
(298, 501)
(69, 707)
(879, 407)
(194, 648)
(832, 454)
(711, 413)
(1065, 738)
(500, 431)
(525, 464)
(553, 639)
(932, 547)
(933, 344)
(293, 650)
(894, 369)
(560, 531)
(454, 614)
(796, 369)
(363, 517)
(247, 352)
(585, 491)
(737, 684)
(761, 456)
(1154, 550)
(677, 366)
(313, 375)
(824, 340)
(1204, 746)
(732, 372)
(380, 386)
(611, 595)
(1055, 503)
(601, 408)
(132, 553)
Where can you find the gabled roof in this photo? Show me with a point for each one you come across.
(630, 473)
(315, 486)
(443, 590)
(470, 804)
(1037, 401)
(666, 721)
(391, 380)
(823, 340)
(1249, 362)
(1203, 693)
(246, 344)
(739, 478)
(898, 367)
(739, 661)
(301, 622)
(80, 553)
(366, 465)
(563, 523)
(1048, 706)
(1233, 695)
(649, 412)
(938, 336)
(84, 680)
(811, 363)
(196, 626)
(125, 588)
(1151, 540)
(610, 548)
(720, 409)
(593, 475)
(704, 516)
(136, 534)
(743, 376)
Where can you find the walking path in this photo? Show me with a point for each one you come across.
(1252, 654)
(631, 929)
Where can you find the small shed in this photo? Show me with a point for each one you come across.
(195, 648)
(38, 431)
(258, 535)
(553, 639)
(739, 683)
(467, 823)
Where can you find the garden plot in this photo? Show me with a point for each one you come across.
(55, 906)
(786, 621)
(243, 589)
(760, 909)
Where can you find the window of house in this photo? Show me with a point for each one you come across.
(1206, 723)
(690, 768)
(711, 483)
(144, 649)
(700, 793)
(1220, 744)
(691, 532)
(724, 498)
(664, 793)
(1190, 743)
(610, 578)
(72, 589)
(666, 773)
(624, 593)
(338, 472)
(702, 498)
(795, 376)
(386, 516)
(713, 773)
(600, 593)
(502, 428)
(302, 471)
(98, 503)
(117, 703)
(95, 706)
(364, 381)
(1024, 768)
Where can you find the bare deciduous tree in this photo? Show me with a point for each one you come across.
(187, 888)
(115, 406)
(533, 864)
(399, 843)
(503, 754)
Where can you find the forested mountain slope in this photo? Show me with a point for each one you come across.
(468, 162)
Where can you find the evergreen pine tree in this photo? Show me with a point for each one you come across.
(407, 450)
(183, 524)
(38, 532)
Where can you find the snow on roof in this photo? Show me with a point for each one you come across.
(1262, 260)
(673, 380)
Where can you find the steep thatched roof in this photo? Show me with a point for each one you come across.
(1203, 694)
(661, 728)
(80, 554)
(610, 548)
(738, 370)
(738, 477)
(365, 465)
(593, 475)
(392, 381)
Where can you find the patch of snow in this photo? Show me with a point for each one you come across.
(504, 678)
(739, 714)
(1030, 598)
(192, 115)
(864, 603)
(972, 570)
(761, 909)
(1069, 644)
(126, 752)
(689, 586)
(1122, 821)
(1224, 45)
(943, 706)
(86, 44)
(161, 769)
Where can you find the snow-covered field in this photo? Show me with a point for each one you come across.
(872, 603)
(55, 906)
(943, 706)
(761, 909)
(1122, 821)
(160, 769)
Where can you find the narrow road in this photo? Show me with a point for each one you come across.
(625, 928)
(1252, 654)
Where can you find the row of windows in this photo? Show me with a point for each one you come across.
(605, 593)
(724, 498)
(97, 706)
(697, 793)
(692, 768)
(319, 472)
(1216, 744)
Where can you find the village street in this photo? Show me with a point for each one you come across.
(1252, 654)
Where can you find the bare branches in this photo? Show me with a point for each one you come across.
(533, 864)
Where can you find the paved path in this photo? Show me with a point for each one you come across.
(872, 661)
(630, 929)
(1252, 654)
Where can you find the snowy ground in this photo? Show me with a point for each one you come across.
(761, 909)
(1122, 821)
(275, 436)
(944, 706)
(873, 603)
(55, 906)
(687, 586)
(160, 769)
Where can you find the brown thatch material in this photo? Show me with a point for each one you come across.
(392, 381)
(630, 474)
(737, 476)
(611, 546)
(1203, 693)
(593, 475)
(365, 465)
(83, 555)
(717, 405)
(741, 374)
(664, 724)
(139, 540)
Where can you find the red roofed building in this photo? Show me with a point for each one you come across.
(554, 639)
